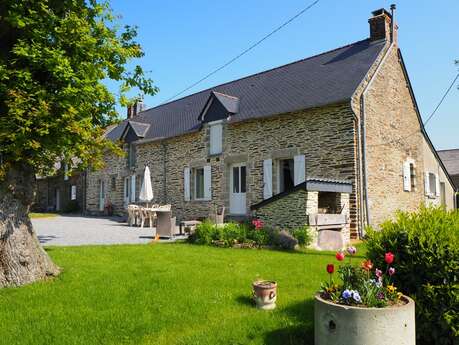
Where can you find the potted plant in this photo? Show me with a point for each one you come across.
(265, 294)
(364, 308)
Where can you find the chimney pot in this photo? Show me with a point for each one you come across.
(380, 25)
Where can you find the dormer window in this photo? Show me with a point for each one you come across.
(215, 138)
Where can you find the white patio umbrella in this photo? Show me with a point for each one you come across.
(146, 192)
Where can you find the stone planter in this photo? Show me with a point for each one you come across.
(265, 294)
(336, 324)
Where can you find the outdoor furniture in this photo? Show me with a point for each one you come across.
(190, 224)
(165, 226)
(218, 217)
(133, 214)
(147, 214)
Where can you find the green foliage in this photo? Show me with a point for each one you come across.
(303, 236)
(231, 234)
(426, 248)
(54, 57)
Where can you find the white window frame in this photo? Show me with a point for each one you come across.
(194, 176)
(207, 183)
(73, 192)
(215, 137)
(409, 182)
(431, 193)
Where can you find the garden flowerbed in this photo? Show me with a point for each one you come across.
(249, 235)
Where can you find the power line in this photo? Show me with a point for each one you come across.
(442, 99)
(229, 62)
(427, 120)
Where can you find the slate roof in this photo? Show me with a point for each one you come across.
(320, 80)
(139, 128)
(450, 159)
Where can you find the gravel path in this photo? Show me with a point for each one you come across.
(79, 230)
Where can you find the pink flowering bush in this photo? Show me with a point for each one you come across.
(363, 285)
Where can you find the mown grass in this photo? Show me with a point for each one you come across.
(42, 215)
(164, 294)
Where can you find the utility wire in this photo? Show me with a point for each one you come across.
(229, 62)
(442, 99)
(427, 120)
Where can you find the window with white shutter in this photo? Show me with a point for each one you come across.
(208, 182)
(267, 178)
(133, 185)
(299, 169)
(216, 139)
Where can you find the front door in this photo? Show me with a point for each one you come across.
(238, 189)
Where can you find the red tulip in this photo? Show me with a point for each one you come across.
(367, 265)
(330, 268)
(389, 258)
(340, 256)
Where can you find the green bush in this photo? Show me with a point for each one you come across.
(205, 233)
(303, 236)
(426, 248)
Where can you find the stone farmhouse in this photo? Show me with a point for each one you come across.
(335, 133)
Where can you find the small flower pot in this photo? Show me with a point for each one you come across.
(336, 324)
(265, 294)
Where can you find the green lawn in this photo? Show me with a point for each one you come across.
(42, 215)
(164, 294)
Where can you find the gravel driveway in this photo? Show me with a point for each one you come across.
(80, 230)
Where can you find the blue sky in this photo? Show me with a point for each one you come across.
(185, 40)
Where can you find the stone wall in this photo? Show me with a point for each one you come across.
(286, 213)
(45, 199)
(393, 135)
(324, 135)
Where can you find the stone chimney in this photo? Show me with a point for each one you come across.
(381, 25)
(134, 109)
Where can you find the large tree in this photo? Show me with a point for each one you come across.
(54, 58)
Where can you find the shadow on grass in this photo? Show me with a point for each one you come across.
(302, 314)
(245, 300)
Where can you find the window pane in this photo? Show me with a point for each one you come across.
(243, 179)
(199, 183)
(432, 183)
(235, 179)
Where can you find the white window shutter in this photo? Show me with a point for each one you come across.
(133, 188)
(186, 184)
(208, 182)
(300, 169)
(267, 178)
(216, 138)
(426, 183)
(406, 176)
(437, 187)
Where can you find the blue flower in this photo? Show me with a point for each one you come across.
(347, 294)
(356, 296)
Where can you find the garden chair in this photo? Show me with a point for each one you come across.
(133, 214)
(218, 217)
(165, 225)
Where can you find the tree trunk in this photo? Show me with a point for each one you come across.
(22, 259)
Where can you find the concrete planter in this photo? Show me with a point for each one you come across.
(265, 294)
(336, 324)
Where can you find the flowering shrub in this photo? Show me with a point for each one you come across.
(361, 285)
(427, 247)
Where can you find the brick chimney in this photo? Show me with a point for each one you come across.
(381, 24)
(134, 109)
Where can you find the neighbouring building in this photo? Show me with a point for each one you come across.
(451, 160)
(60, 192)
(334, 134)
